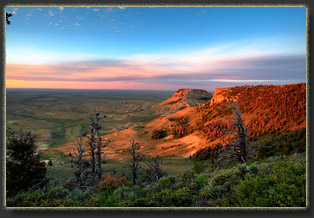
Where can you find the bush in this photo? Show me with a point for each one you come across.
(179, 198)
(208, 153)
(284, 143)
(57, 134)
(198, 166)
(79, 195)
(56, 197)
(108, 185)
(159, 134)
(181, 128)
(167, 183)
(282, 186)
(58, 193)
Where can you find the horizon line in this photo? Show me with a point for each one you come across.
(168, 90)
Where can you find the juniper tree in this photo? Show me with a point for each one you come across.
(23, 166)
(135, 160)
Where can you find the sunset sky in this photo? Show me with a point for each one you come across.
(158, 48)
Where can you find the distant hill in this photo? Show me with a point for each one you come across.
(265, 108)
(184, 99)
(187, 129)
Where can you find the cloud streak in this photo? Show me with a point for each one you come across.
(208, 69)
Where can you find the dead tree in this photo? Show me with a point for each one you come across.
(92, 140)
(236, 150)
(96, 123)
(154, 165)
(81, 162)
(136, 158)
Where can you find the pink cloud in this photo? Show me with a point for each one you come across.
(150, 71)
(108, 10)
(50, 13)
(202, 12)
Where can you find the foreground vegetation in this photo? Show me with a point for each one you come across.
(278, 181)
(274, 178)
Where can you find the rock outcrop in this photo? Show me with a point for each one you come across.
(185, 98)
(220, 95)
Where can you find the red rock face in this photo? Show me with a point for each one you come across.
(186, 98)
(218, 96)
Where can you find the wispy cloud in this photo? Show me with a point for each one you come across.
(202, 12)
(51, 13)
(14, 11)
(220, 66)
(108, 10)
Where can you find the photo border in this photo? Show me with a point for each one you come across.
(81, 3)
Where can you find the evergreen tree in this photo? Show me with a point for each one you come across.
(23, 166)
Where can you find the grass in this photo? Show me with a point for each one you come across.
(62, 169)
(49, 110)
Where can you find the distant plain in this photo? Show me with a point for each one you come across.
(56, 117)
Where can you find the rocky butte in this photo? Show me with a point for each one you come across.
(185, 98)
(220, 95)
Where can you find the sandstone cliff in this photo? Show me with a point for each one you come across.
(220, 95)
(185, 98)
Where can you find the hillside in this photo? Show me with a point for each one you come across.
(183, 99)
(266, 109)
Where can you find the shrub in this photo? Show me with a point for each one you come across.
(283, 143)
(57, 134)
(167, 182)
(159, 134)
(282, 186)
(181, 128)
(202, 179)
(108, 185)
(198, 166)
(79, 195)
(188, 179)
(208, 153)
(57, 192)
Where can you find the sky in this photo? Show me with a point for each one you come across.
(154, 48)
